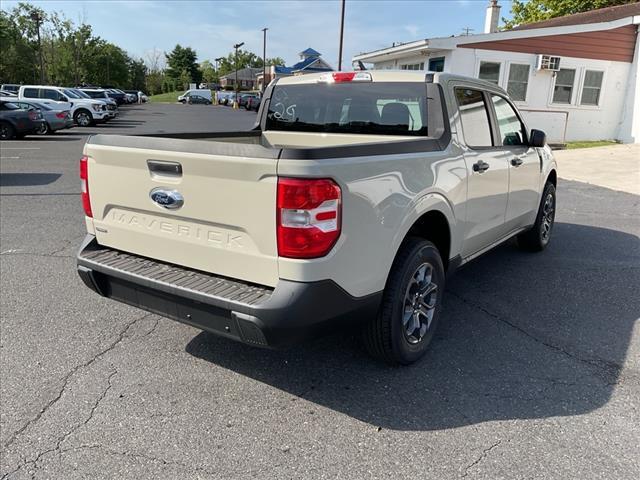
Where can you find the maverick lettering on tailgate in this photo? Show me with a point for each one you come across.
(219, 238)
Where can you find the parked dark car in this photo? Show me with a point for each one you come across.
(194, 99)
(133, 92)
(119, 97)
(16, 123)
(253, 103)
(244, 97)
(53, 118)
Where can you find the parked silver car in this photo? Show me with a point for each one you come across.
(54, 118)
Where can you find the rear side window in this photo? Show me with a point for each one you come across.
(475, 117)
(376, 108)
(30, 93)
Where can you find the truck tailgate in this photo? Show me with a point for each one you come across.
(226, 224)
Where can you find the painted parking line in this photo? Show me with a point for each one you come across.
(20, 148)
(7, 158)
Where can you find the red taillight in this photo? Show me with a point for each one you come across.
(84, 179)
(308, 217)
(62, 114)
(343, 76)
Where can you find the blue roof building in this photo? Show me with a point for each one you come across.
(311, 61)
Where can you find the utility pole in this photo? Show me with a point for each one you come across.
(219, 59)
(237, 46)
(466, 31)
(37, 17)
(264, 58)
(341, 37)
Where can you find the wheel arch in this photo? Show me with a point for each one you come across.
(552, 177)
(433, 226)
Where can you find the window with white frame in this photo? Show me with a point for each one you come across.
(413, 66)
(563, 89)
(489, 71)
(518, 82)
(591, 87)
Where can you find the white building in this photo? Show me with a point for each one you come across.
(575, 77)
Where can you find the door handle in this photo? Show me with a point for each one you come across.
(480, 166)
(516, 162)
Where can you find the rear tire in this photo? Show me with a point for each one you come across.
(409, 314)
(538, 237)
(7, 132)
(44, 129)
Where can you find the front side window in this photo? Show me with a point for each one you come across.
(518, 82)
(376, 108)
(489, 71)
(50, 94)
(591, 88)
(563, 89)
(509, 125)
(475, 117)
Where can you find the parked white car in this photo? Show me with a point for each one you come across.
(85, 111)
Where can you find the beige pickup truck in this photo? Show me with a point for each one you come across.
(350, 200)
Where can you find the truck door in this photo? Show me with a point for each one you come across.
(487, 173)
(524, 164)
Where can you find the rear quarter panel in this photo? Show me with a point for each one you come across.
(382, 197)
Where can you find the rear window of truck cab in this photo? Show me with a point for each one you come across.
(377, 108)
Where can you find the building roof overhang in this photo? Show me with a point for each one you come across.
(450, 43)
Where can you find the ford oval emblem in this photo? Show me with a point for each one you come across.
(169, 199)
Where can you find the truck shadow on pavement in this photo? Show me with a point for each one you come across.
(522, 336)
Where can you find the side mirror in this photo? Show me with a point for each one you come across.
(65, 99)
(537, 138)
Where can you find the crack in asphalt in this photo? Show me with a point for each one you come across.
(66, 435)
(65, 380)
(484, 454)
(197, 468)
(611, 369)
(34, 254)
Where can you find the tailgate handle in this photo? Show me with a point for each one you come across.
(159, 167)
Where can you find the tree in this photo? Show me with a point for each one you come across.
(530, 11)
(137, 74)
(245, 59)
(71, 53)
(183, 59)
(208, 71)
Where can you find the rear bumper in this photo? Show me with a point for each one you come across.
(253, 314)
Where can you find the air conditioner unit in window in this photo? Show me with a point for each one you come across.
(548, 62)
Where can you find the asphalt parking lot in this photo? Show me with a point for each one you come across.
(534, 373)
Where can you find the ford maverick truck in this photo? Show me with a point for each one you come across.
(351, 199)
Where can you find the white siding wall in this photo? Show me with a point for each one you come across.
(584, 122)
(630, 126)
(608, 120)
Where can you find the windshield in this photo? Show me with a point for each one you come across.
(70, 93)
(80, 93)
(383, 108)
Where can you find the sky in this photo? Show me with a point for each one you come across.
(212, 27)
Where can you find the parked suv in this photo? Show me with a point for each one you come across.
(101, 95)
(350, 200)
(85, 111)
